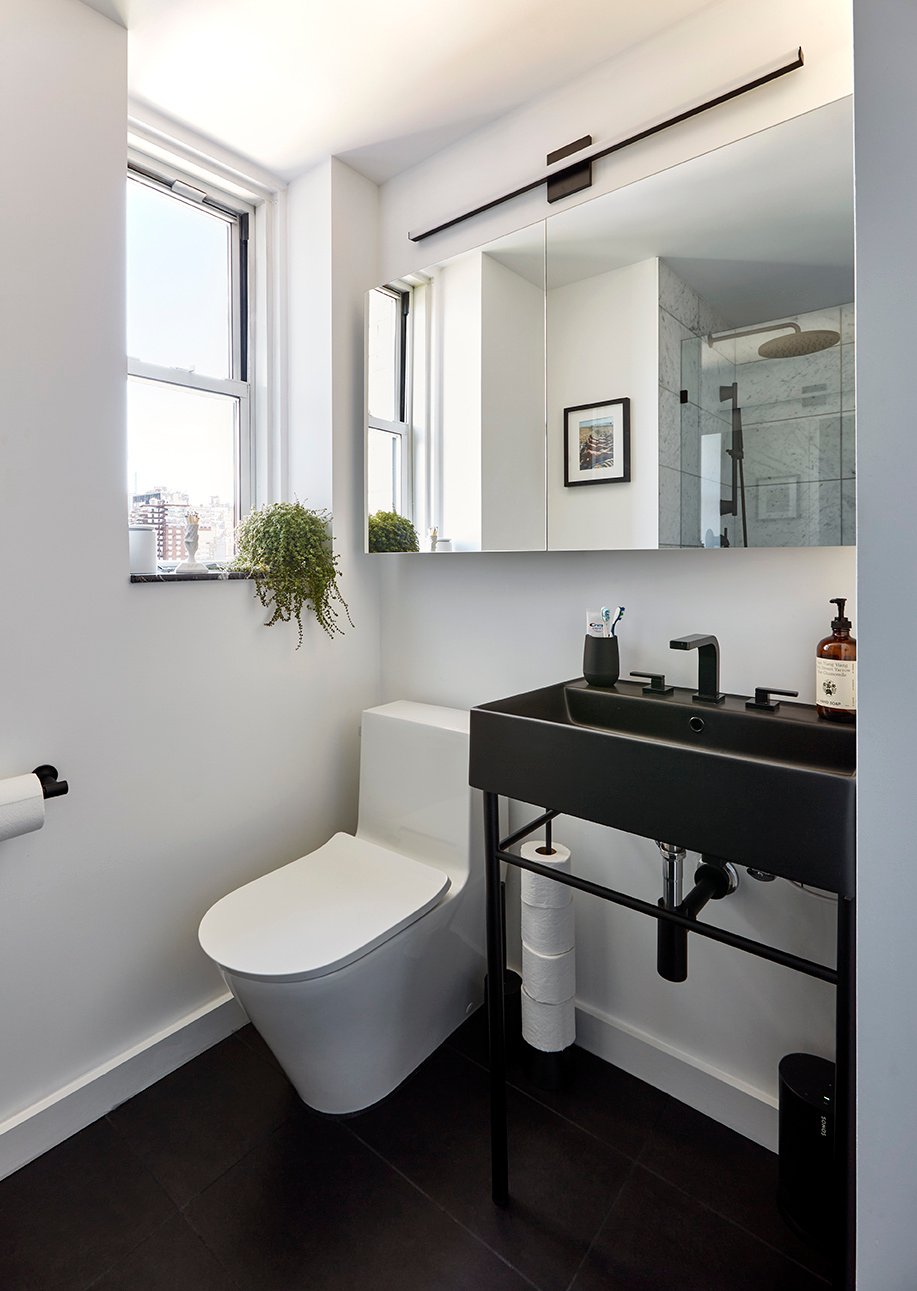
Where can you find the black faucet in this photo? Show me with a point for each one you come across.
(708, 666)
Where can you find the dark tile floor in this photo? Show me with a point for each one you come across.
(218, 1179)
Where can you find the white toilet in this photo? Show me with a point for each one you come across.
(356, 961)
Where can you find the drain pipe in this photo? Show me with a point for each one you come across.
(671, 941)
(713, 880)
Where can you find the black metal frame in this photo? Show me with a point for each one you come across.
(497, 850)
(578, 175)
(624, 477)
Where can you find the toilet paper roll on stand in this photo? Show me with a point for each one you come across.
(548, 955)
(549, 979)
(537, 889)
(547, 907)
(548, 1027)
(548, 931)
(22, 805)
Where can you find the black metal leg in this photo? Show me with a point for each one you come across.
(845, 1124)
(496, 968)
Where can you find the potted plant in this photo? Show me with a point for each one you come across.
(287, 550)
(388, 531)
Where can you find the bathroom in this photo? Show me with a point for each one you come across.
(203, 750)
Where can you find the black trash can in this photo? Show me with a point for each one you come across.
(807, 1172)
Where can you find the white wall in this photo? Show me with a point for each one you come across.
(886, 213)
(471, 630)
(308, 262)
(512, 410)
(457, 296)
(354, 258)
(201, 748)
(488, 377)
(603, 344)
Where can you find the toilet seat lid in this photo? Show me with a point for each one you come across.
(321, 912)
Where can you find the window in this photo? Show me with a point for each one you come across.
(189, 406)
(388, 438)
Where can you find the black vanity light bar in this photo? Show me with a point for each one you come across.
(564, 180)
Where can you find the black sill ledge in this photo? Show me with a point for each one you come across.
(233, 575)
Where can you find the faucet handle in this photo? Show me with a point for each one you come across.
(762, 699)
(657, 684)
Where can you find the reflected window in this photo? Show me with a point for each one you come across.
(388, 401)
(385, 470)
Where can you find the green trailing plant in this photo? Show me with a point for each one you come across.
(388, 531)
(287, 550)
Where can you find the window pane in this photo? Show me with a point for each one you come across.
(178, 283)
(181, 457)
(382, 345)
(384, 485)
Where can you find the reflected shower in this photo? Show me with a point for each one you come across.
(794, 346)
(735, 505)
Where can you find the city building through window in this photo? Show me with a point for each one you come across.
(189, 422)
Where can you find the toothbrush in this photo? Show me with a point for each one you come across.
(617, 619)
(606, 615)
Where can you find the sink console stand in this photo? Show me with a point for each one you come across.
(497, 850)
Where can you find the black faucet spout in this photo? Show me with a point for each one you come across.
(708, 666)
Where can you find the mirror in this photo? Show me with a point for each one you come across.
(691, 339)
(717, 297)
(455, 401)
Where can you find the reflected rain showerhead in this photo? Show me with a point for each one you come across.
(798, 343)
(794, 346)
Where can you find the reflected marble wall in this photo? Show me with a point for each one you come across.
(798, 416)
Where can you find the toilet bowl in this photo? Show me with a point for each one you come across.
(356, 961)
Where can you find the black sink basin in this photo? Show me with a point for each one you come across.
(794, 734)
(775, 791)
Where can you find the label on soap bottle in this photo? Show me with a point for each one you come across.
(836, 683)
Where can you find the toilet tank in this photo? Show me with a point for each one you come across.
(414, 792)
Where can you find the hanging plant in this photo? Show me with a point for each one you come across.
(388, 531)
(287, 549)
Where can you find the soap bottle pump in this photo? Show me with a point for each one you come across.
(836, 670)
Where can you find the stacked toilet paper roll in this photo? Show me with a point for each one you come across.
(548, 955)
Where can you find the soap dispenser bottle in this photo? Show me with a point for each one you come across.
(836, 670)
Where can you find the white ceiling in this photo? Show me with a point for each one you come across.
(383, 83)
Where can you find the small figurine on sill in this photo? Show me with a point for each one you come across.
(191, 564)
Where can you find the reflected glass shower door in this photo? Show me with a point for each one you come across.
(798, 420)
(706, 438)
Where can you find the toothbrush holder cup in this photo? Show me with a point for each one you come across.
(601, 661)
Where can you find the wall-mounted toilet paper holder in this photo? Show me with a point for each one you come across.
(51, 787)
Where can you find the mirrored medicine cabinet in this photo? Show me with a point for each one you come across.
(683, 346)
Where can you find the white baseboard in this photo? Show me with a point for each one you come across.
(42, 1126)
(46, 1123)
(706, 1088)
